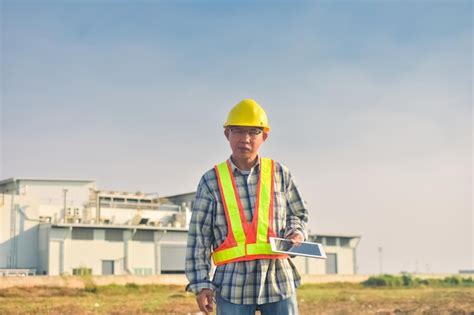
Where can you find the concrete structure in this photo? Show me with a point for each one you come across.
(59, 227)
(68, 226)
(340, 251)
(77, 249)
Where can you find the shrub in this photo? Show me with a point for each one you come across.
(384, 281)
(406, 280)
(132, 285)
(468, 281)
(90, 287)
(452, 280)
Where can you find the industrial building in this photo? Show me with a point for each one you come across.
(55, 227)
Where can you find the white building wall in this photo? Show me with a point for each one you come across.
(27, 251)
(27, 235)
(90, 254)
(66, 254)
(307, 265)
(5, 242)
(24, 237)
(142, 256)
(52, 192)
(54, 258)
(32, 199)
(46, 198)
(345, 261)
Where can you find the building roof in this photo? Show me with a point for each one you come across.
(179, 195)
(13, 179)
(117, 226)
(336, 235)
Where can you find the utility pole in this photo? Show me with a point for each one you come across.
(380, 250)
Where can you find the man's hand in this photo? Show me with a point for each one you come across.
(296, 237)
(205, 300)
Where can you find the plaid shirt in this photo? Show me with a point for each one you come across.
(248, 282)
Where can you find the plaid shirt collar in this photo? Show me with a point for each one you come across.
(255, 169)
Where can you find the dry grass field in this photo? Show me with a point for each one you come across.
(330, 298)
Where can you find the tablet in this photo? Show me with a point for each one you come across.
(308, 249)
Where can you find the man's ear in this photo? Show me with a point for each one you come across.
(265, 135)
(226, 133)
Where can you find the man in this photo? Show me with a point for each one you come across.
(239, 204)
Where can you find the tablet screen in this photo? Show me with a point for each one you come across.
(304, 248)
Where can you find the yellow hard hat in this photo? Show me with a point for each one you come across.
(248, 113)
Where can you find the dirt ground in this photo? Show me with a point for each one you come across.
(162, 299)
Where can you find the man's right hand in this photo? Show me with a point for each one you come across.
(205, 300)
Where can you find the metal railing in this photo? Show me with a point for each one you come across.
(142, 206)
(17, 272)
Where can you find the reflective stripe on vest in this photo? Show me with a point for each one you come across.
(246, 241)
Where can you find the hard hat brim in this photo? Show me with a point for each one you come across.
(266, 129)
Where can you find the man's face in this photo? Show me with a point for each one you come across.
(245, 141)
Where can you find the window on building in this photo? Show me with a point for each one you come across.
(172, 258)
(108, 267)
(331, 241)
(142, 271)
(82, 271)
(318, 239)
(113, 235)
(82, 234)
(331, 264)
(143, 236)
(119, 199)
(132, 200)
(345, 241)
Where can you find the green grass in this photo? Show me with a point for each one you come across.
(348, 298)
(407, 280)
(330, 298)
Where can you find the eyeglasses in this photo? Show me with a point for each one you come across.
(253, 133)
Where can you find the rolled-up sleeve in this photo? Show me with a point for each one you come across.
(200, 240)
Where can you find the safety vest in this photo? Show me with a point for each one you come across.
(246, 241)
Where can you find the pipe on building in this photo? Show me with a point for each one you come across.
(354, 258)
(27, 218)
(97, 207)
(126, 267)
(158, 253)
(13, 238)
(62, 251)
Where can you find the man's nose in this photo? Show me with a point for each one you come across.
(245, 138)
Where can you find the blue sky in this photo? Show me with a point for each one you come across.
(370, 105)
